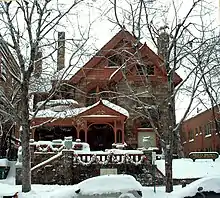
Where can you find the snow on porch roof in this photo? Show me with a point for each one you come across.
(71, 112)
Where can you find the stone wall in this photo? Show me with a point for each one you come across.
(64, 169)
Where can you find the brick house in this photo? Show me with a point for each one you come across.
(199, 132)
(102, 103)
(8, 66)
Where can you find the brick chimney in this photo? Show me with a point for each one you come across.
(163, 42)
(38, 65)
(61, 51)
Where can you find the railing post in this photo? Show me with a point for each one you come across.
(68, 166)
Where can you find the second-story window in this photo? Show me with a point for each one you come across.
(191, 135)
(208, 129)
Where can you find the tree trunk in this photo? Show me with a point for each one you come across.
(25, 137)
(168, 169)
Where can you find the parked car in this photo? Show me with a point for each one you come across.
(105, 186)
(109, 186)
(207, 187)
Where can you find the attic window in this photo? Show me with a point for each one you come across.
(145, 70)
(114, 61)
(150, 69)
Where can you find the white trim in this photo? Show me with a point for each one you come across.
(209, 135)
(192, 140)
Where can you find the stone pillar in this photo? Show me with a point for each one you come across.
(68, 166)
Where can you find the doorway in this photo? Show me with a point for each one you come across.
(100, 137)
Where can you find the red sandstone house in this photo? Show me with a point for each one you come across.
(199, 133)
(96, 104)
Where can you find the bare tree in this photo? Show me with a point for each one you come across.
(179, 44)
(28, 28)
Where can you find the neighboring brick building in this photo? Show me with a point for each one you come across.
(199, 133)
(8, 88)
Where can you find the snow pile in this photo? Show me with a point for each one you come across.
(119, 151)
(208, 184)
(185, 168)
(109, 183)
(58, 145)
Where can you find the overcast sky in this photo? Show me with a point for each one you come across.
(99, 17)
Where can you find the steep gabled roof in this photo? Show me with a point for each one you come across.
(103, 52)
(122, 34)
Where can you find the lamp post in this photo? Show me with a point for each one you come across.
(154, 170)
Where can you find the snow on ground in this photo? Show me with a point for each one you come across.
(55, 191)
(185, 168)
(182, 168)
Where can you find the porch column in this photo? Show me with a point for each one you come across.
(97, 93)
(32, 133)
(115, 132)
(86, 135)
(77, 133)
(123, 132)
(86, 130)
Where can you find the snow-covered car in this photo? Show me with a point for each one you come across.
(207, 187)
(109, 186)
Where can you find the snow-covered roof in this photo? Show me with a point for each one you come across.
(71, 112)
(108, 184)
(115, 107)
(57, 102)
(185, 168)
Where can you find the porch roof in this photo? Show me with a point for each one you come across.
(72, 112)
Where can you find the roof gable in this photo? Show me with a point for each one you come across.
(105, 108)
(122, 35)
(102, 53)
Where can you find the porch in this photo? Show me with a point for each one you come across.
(100, 125)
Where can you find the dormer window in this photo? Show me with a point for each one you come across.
(114, 61)
(150, 69)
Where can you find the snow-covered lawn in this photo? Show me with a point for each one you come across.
(185, 168)
(182, 168)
